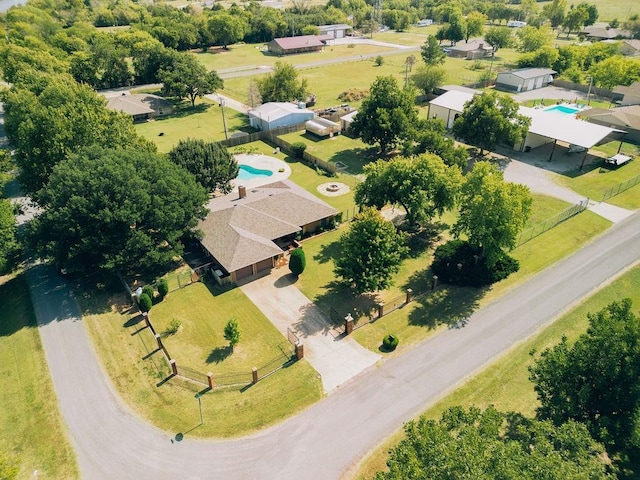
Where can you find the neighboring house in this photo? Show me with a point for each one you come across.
(322, 127)
(525, 79)
(546, 127)
(472, 50)
(339, 30)
(625, 118)
(278, 114)
(628, 95)
(141, 107)
(448, 106)
(301, 44)
(246, 232)
(604, 32)
(630, 48)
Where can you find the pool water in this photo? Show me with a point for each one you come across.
(248, 172)
(563, 109)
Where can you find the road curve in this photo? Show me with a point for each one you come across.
(326, 439)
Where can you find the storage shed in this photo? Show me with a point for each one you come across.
(278, 114)
(339, 30)
(322, 127)
(525, 79)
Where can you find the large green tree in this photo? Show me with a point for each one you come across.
(428, 77)
(475, 25)
(555, 12)
(597, 381)
(370, 252)
(498, 37)
(8, 242)
(209, 162)
(615, 70)
(55, 119)
(424, 186)
(432, 52)
(187, 77)
(282, 84)
(122, 210)
(492, 212)
(431, 137)
(490, 118)
(532, 38)
(488, 444)
(226, 28)
(387, 116)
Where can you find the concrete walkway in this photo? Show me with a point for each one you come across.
(336, 358)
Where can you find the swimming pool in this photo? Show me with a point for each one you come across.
(566, 109)
(247, 172)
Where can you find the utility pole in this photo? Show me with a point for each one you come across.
(589, 91)
(224, 120)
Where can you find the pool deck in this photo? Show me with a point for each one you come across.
(259, 161)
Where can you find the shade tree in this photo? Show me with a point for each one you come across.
(430, 137)
(370, 252)
(387, 116)
(116, 210)
(431, 51)
(423, 186)
(210, 163)
(492, 212)
(282, 85)
(187, 77)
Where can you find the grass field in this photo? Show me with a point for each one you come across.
(199, 343)
(139, 372)
(505, 383)
(203, 122)
(32, 430)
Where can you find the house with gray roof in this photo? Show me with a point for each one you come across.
(627, 94)
(624, 118)
(525, 79)
(248, 231)
(141, 107)
(299, 44)
(279, 114)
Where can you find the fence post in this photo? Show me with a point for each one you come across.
(380, 309)
(158, 341)
(299, 351)
(348, 324)
(174, 367)
(210, 380)
(434, 282)
(409, 295)
(254, 375)
(145, 315)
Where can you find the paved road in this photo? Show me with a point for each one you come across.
(325, 440)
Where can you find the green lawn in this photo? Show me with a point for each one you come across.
(505, 383)
(253, 55)
(32, 429)
(199, 344)
(593, 181)
(610, 9)
(138, 371)
(204, 122)
(418, 320)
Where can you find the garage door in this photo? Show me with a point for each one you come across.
(244, 272)
(265, 265)
(530, 84)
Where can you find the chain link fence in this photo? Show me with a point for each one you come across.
(612, 192)
(548, 224)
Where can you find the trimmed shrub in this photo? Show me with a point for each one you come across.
(163, 288)
(379, 61)
(458, 263)
(173, 327)
(149, 291)
(297, 262)
(298, 148)
(390, 342)
(145, 302)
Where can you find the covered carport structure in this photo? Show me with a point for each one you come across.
(548, 127)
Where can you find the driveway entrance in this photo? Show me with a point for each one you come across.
(336, 358)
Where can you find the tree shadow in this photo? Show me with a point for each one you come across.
(446, 305)
(341, 300)
(422, 240)
(356, 158)
(329, 251)
(219, 354)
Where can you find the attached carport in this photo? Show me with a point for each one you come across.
(548, 127)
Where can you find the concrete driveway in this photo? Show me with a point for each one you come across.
(335, 357)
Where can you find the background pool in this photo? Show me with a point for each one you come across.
(248, 172)
(563, 109)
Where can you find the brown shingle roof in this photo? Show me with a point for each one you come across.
(240, 231)
(303, 41)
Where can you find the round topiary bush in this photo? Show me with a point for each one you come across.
(149, 291)
(297, 262)
(390, 342)
(145, 302)
(298, 148)
(163, 288)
